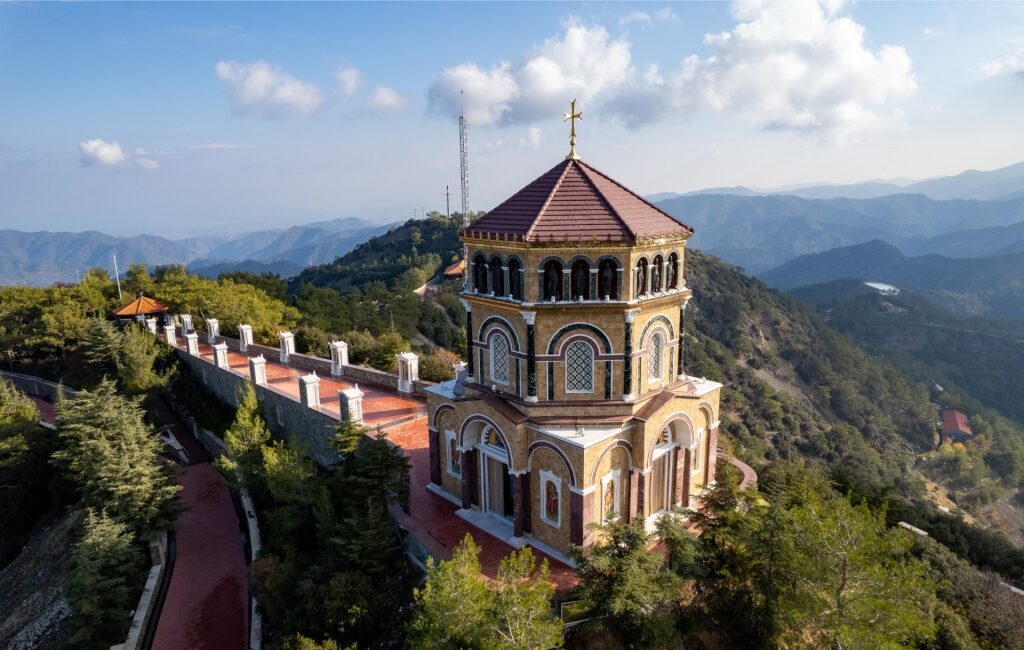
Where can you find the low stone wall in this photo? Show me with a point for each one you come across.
(144, 610)
(358, 374)
(36, 387)
(285, 417)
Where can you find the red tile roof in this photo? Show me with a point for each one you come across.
(142, 305)
(575, 202)
(455, 269)
(955, 422)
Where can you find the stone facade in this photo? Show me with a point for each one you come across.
(574, 406)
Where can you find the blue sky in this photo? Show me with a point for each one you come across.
(192, 118)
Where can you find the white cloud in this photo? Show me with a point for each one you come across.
(581, 63)
(147, 164)
(101, 152)
(385, 98)
(263, 89)
(636, 17)
(666, 15)
(799, 65)
(1012, 64)
(532, 138)
(350, 79)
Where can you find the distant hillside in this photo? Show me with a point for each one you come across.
(42, 258)
(762, 232)
(980, 242)
(992, 286)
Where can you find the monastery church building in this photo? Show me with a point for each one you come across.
(573, 407)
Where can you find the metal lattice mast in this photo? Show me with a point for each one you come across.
(464, 163)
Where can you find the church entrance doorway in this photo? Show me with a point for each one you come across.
(498, 497)
(661, 476)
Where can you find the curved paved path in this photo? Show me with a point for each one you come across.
(207, 602)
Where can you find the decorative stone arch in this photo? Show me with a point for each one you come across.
(544, 444)
(500, 322)
(615, 289)
(439, 412)
(516, 277)
(618, 444)
(657, 318)
(485, 422)
(684, 443)
(709, 413)
(562, 282)
(553, 344)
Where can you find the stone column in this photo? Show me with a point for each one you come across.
(525, 495)
(287, 340)
(186, 325)
(258, 370)
(408, 371)
(470, 489)
(682, 334)
(151, 325)
(220, 355)
(212, 330)
(531, 355)
(662, 279)
(627, 354)
(520, 502)
(522, 284)
(508, 284)
(581, 513)
(712, 458)
(309, 390)
(170, 336)
(244, 337)
(593, 284)
(621, 290)
(469, 338)
(683, 483)
(192, 343)
(566, 285)
(433, 437)
(637, 488)
(339, 357)
(350, 404)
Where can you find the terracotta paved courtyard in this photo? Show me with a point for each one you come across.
(431, 518)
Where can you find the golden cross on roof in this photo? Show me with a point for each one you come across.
(572, 115)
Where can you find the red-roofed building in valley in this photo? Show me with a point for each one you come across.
(141, 306)
(455, 270)
(955, 426)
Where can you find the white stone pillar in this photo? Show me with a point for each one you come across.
(408, 371)
(258, 370)
(212, 330)
(339, 357)
(287, 345)
(151, 325)
(244, 337)
(192, 343)
(186, 325)
(169, 335)
(351, 404)
(220, 355)
(309, 390)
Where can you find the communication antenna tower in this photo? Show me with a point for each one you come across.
(464, 160)
(117, 276)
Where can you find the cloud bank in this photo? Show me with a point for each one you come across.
(799, 66)
(101, 152)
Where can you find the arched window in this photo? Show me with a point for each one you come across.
(497, 277)
(641, 278)
(608, 280)
(491, 437)
(672, 272)
(551, 499)
(610, 501)
(552, 280)
(480, 274)
(579, 368)
(499, 359)
(657, 267)
(515, 279)
(655, 346)
(579, 280)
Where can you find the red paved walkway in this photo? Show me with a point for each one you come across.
(207, 603)
(431, 519)
(47, 412)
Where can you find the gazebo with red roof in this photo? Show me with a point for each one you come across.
(141, 308)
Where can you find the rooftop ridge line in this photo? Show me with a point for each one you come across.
(551, 194)
(584, 170)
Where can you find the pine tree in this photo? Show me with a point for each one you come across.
(101, 343)
(245, 438)
(522, 617)
(136, 359)
(113, 458)
(102, 571)
(454, 606)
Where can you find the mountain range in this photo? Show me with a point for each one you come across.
(991, 286)
(42, 258)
